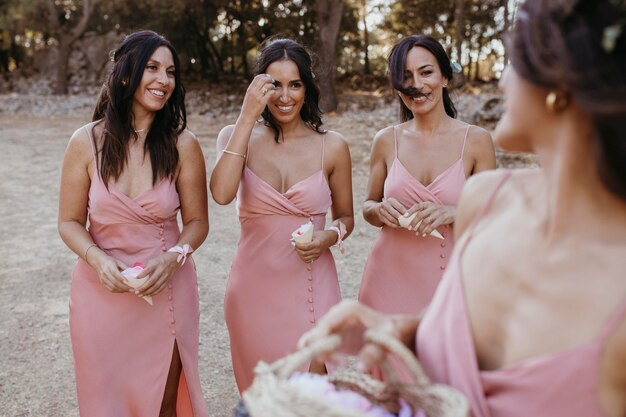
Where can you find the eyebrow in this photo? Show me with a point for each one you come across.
(292, 81)
(159, 63)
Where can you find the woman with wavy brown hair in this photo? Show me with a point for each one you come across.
(285, 171)
(127, 175)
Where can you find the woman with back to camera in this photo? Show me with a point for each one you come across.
(129, 173)
(418, 168)
(530, 318)
(285, 171)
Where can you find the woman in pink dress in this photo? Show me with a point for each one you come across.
(285, 171)
(418, 168)
(530, 318)
(128, 174)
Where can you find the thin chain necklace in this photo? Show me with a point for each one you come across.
(139, 130)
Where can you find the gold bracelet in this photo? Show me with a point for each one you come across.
(235, 153)
(87, 250)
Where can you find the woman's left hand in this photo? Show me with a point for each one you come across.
(160, 270)
(322, 240)
(431, 216)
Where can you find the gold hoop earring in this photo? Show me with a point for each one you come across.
(556, 101)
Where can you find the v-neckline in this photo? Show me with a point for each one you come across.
(434, 179)
(288, 189)
(141, 194)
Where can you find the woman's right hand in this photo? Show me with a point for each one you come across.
(389, 210)
(350, 319)
(109, 271)
(258, 94)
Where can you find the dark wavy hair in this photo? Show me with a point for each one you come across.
(287, 49)
(114, 109)
(565, 46)
(397, 69)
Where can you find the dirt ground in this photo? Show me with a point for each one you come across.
(36, 369)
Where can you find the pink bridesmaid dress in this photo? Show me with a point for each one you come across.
(560, 384)
(272, 296)
(122, 345)
(403, 270)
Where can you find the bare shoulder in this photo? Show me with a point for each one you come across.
(479, 139)
(79, 146)
(335, 141)
(187, 138)
(476, 191)
(188, 143)
(383, 141)
(224, 135)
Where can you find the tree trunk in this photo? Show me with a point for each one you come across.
(329, 13)
(459, 17)
(366, 42)
(66, 38)
(505, 29)
(64, 50)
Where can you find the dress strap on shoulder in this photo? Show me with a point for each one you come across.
(465, 140)
(323, 149)
(395, 140)
(94, 148)
(487, 204)
(613, 322)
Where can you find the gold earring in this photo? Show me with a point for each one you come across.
(124, 82)
(556, 101)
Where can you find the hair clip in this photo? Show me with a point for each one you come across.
(456, 67)
(610, 36)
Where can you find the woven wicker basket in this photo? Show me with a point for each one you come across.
(271, 395)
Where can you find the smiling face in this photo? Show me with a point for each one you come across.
(289, 92)
(422, 72)
(157, 83)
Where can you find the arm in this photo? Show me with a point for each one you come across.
(376, 211)
(72, 220)
(340, 182)
(192, 191)
(232, 142)
(350, 320)
(480, 151)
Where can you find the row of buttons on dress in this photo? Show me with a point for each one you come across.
(309, 267)
(442, 255)
(170, 287)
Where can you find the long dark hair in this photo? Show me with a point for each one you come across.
(287, 49)
(570, 48)
(114, 109)
(397, 68)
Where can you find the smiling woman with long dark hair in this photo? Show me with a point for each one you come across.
(285, 171)
(417, 169)
(128, 174)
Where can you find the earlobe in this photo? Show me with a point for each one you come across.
(557, 101)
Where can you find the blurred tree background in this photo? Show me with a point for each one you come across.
(68, 41)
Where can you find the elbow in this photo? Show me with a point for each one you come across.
(222, 199)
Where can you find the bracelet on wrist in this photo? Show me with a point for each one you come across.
(87, 251)
(183, 251)
(340, 229)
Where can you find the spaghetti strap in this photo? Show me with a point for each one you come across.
(487, 205)
(395, 141)
(323, 149)
(613, 322)
(465, 140)
(92, 142)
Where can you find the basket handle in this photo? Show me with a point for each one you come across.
(394, 346)
(284, 367)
